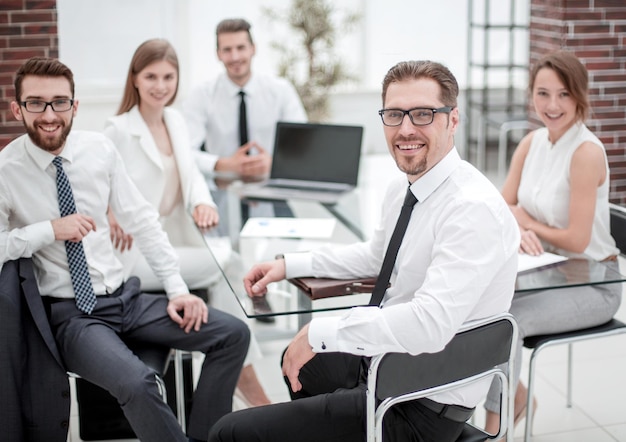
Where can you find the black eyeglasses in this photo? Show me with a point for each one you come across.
(38, 106)
(420, 116)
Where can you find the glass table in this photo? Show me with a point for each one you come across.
(285, 299)
(354, 216)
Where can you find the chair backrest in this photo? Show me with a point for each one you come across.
(470, 352)
(480, 350)
(618, 226)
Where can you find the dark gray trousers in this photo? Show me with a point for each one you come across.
(93, 347)
(331, 408)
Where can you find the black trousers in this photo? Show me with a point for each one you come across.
(331, 407)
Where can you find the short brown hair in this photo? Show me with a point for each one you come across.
(413, 70)
(572, 74)
(230, 25)
(41, 67)
(147, 53)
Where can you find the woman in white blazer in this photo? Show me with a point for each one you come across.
(154, 143)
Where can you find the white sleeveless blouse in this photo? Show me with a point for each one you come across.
(544, 190)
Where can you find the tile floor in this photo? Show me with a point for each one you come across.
(598, 413)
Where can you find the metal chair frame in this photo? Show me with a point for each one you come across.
(481, 358)
(539, 343)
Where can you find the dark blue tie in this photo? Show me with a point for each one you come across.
(85, 297)
(382, 282)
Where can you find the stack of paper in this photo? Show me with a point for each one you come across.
(528, 262)
(288, 228)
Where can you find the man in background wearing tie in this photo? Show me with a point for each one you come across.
(232, 121)
(235, 114)
(446, 246)
(55, 187)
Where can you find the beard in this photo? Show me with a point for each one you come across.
(46, 143)
(411, 166)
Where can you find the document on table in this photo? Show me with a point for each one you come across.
(528, 262)
(288, 228)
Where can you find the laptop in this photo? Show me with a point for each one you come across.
(311, 161)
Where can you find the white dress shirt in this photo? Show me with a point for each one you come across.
(545, 189)
(212, 114)
(28, 204)
(457, 263)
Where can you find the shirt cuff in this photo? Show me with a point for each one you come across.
(298, 264)
(175, 286)
(206, 161)
(39, 235)
(323, 334)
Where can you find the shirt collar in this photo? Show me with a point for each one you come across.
(234, 89)
(425, 185)
(42, 158)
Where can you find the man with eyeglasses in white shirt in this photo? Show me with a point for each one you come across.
(36, 171)
(457, 262)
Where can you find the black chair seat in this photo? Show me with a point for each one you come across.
(536, 341)
(472, 434)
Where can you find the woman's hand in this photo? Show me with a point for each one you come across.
(205, 216)
(121, 240)
(530, 243)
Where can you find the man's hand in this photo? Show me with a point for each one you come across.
(188, 311)
(250, 161)
(205, 216)
(298, 353)
(72, 227)
(120, 239)
(259, 276)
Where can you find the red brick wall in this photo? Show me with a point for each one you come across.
(595, 30)
(27, 28)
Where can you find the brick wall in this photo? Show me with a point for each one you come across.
(27, 28)
(595, 30)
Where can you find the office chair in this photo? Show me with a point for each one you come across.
(482, 349)
(99, 415)
(611, 328)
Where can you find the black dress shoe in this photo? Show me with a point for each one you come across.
(262, 307)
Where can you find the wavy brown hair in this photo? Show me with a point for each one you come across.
(572, 74)
(147, 53)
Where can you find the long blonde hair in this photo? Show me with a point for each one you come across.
(147, 53)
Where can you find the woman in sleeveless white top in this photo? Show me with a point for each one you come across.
(153, 141)
(558, 189)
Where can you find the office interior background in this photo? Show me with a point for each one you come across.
(96, 39)
(487, 44)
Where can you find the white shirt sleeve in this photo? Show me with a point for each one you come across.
(141, 220)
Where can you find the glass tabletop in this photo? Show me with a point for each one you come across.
(354, 216)
(570, 273)
(285, 299)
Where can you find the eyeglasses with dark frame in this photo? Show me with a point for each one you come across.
(420, 116)
(39, 106)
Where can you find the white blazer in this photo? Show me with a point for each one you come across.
(142, 159)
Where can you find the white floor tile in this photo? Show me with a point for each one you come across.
(617, 431)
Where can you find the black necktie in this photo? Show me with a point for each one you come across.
(243, 120)
(392, 249)
(79, 272)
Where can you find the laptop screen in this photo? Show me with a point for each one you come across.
(317, 152)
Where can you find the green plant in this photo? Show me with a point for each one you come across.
(310, 61)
